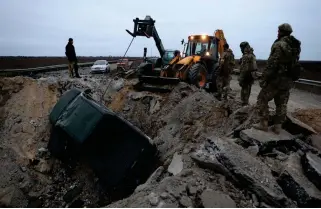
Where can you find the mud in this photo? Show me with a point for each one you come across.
(179, 123)
(311, 117)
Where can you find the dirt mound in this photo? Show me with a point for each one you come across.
(38, 179)
(311, 117)
(25, 112)
(179, 122)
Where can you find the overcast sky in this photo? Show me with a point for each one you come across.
(42, 27)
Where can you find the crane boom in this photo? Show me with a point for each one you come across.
(147, 28)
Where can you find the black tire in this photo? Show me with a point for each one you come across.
(194, 75)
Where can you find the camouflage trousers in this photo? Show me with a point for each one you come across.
(223, 85)
(245, 93)
(71, 66)
(281, 98)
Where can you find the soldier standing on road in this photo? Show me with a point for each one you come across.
(227, 64)
(247, 68)
(277, 79)
(72, 59)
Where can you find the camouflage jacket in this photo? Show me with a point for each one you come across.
(227, 63)
(248, 65)
(276, 69)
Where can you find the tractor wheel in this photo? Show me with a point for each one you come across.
(197, 75)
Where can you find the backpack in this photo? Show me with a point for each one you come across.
(230, 63)
(294, 67)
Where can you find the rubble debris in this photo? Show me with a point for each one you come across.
(216, 199)
(300, 144)
(153, 179)
(44, 166)
(73, 193)
(153, 199)
(256, 202)
(12, 196)
(311, 165)
(253, 150)
(297, 186)
(208, 161)
(177, 121)
(186, 202)
(255, 136)
(316, 141)
(23, 168)
(78, 203)
(285, 146)
(191, 189)
(176, 165)
(240, 119)
(154, 106)
(246, 170)
(35, 203)
(264, 205)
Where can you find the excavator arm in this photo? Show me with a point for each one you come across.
(219, 34)
(147, 28)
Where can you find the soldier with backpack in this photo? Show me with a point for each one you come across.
(227, 63)
(277, 79)
(247, 68)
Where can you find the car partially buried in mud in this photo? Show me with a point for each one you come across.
(121, 155)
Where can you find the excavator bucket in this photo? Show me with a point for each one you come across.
(156, 84)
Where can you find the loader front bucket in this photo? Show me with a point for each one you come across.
(156, 84)
(159, 80)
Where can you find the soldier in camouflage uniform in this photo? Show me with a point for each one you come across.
(276, 80)
(227, 64)
(247, 67)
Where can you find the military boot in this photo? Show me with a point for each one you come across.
(277, 128)
(76, 71)
(263, 125)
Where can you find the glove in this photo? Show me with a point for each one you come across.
(263, 83)
(254, 76)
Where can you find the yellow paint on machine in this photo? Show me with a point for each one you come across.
(189, 59)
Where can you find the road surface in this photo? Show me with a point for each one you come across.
(299, 99)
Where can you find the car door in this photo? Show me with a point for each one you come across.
(107, 66)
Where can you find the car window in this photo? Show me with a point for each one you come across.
(100, 62)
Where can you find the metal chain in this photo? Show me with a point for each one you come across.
(120, 61)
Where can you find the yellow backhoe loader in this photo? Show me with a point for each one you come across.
(198, 65)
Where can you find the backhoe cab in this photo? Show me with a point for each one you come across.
(199, 65)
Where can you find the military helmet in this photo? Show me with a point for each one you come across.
(285, 27)
(244, 44)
